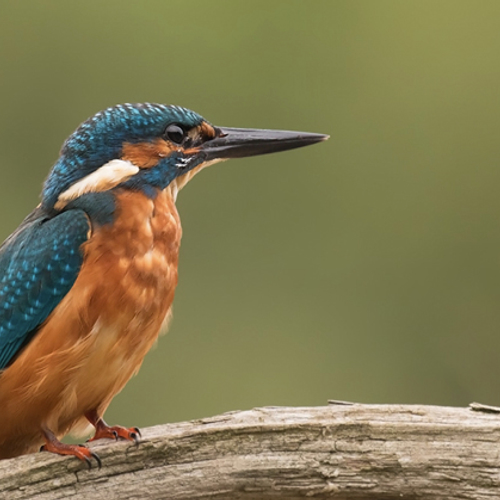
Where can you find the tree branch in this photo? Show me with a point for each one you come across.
(342, 451)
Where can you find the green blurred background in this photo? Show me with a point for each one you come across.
(366, 268)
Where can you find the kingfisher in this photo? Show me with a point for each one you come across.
(88, 278)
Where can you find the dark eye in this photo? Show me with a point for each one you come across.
(175, 133)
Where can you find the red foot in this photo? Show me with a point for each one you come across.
(103, 430)
(53, 445)
(116, 432)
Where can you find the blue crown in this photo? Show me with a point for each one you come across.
(100, 139)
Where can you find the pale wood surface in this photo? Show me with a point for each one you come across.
(338, 451)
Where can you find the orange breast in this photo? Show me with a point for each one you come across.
(97, 337)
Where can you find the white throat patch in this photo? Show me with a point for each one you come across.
(106, 177)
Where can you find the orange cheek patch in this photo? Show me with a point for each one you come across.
(147, 154)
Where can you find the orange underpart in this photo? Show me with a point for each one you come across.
(110, 318)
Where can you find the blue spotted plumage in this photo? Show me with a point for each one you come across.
(38, 265)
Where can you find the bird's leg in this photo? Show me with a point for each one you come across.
(103, 430)
(53, 445)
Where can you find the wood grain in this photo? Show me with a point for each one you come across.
(340, 451)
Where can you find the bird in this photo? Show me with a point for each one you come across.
(88, 279)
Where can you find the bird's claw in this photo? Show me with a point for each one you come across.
(93, 455)
(96, 457)
(77, 450)
(117, 432)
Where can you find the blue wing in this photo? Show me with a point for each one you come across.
(39, 263)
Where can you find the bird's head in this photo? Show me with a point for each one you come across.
(147, 147)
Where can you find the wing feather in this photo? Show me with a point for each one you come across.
(39, 263)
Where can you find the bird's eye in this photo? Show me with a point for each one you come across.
(175, 133)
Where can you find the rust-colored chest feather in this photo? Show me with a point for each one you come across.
(129, 273)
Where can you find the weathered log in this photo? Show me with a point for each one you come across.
(351, 452)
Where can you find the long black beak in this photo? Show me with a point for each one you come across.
(241, 142)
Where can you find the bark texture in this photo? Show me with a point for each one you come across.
(340, 451)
